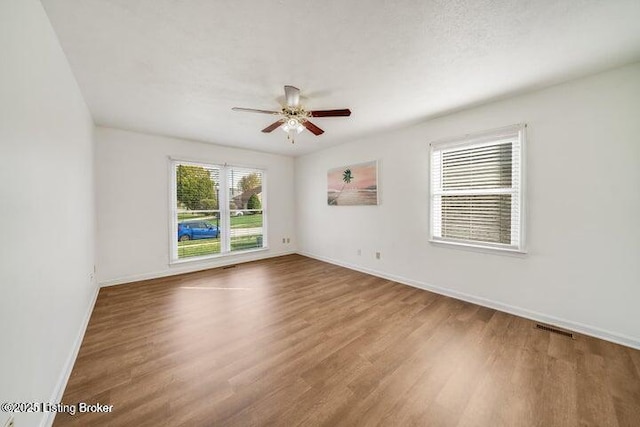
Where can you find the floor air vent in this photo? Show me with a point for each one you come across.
(555, 330)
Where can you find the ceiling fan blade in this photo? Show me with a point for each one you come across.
(272, 127)
(313, 128)
(330, 113)
(253, 110)
(292, 94)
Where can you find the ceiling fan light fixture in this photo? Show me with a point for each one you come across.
(292, 124)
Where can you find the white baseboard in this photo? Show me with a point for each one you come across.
(517, 311)
(56, 397)
(197, 266)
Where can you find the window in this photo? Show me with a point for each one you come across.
(216, 210)
(476, 190)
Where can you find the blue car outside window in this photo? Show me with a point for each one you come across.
(197, 230)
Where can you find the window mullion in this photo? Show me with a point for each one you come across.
(225, 216)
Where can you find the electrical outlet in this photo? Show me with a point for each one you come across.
(288, 240)
(359, 251)
(377, 255)
(284, 240)
(10, 422)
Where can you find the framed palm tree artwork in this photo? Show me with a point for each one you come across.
(353, 185)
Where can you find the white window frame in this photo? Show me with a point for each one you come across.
(518, 216)
(225, 218)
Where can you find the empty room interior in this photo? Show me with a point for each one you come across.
(340, 213)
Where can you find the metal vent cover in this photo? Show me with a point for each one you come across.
(555, 330)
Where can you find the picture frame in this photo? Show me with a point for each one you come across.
(353, 185)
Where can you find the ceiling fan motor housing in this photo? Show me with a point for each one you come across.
(295, 113)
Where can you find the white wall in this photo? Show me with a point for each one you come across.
(582, 269)
(133, 202)
(46, 210)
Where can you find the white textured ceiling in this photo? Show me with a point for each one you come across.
(176, 67)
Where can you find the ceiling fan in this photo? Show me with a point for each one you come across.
(293, 116)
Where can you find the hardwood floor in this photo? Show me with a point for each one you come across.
(295, 341)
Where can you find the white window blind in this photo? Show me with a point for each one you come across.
(476, 189)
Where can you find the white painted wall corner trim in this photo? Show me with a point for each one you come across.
(58, 392)
(517, 311)
(176, 270)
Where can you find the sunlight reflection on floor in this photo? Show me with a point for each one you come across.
(213, 288)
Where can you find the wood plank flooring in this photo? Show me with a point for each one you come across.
(294, 341)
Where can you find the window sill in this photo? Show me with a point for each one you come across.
(215, 256)
(479, 248)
